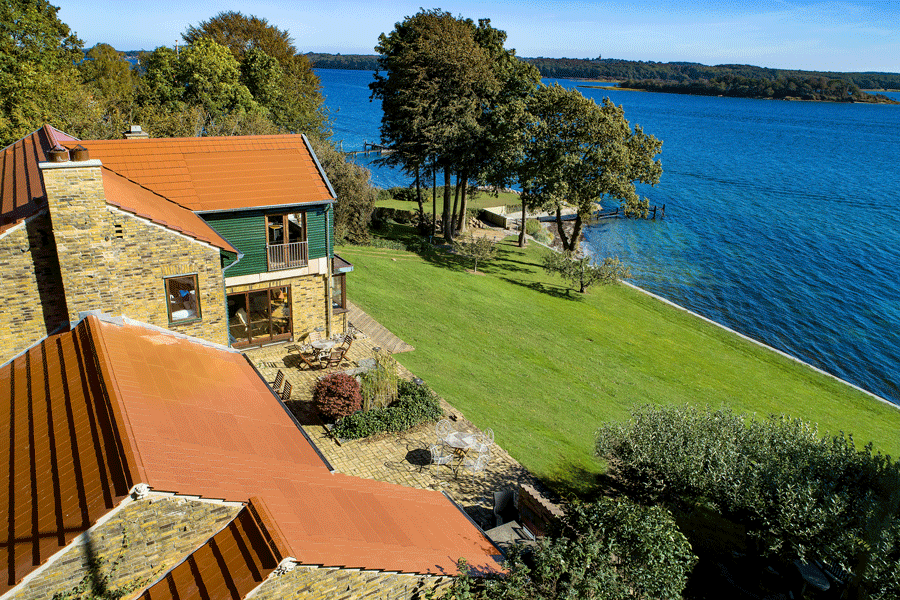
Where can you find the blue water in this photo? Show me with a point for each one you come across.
(781, 218)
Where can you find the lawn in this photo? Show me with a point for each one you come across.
(514, 350)
(474, 201)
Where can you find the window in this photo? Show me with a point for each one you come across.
(183, 301)
(339, 293)
(286, 241)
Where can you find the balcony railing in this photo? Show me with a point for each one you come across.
(287, 256)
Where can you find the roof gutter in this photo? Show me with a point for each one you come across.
(278, 206)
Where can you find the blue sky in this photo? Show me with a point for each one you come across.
(850, 35)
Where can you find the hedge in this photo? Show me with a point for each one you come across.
(415, 404)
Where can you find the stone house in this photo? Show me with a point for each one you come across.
(226, 239)
(145, 461)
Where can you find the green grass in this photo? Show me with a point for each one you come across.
(478, 200)
(513, 350)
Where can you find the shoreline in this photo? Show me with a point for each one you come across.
(553, 246)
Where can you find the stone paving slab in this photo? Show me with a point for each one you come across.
(402, 458)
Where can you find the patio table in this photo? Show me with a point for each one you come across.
(323, 347)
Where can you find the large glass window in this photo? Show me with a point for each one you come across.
(339, 293)
(286, 241)
(183, 300)
(259, 316)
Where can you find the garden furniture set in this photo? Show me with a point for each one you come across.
(460, 449)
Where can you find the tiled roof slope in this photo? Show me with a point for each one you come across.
(62, 464)
(96, 410)
(132, 198)
(218, 173)
(204, 423)
(21, 187)
(230, 565)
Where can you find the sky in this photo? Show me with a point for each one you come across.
(849, 35)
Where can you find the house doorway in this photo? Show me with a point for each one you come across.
(259, 317)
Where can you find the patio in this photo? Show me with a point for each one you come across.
(402, 458)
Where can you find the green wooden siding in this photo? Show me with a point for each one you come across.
(246, 230)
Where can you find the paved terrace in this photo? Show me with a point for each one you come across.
(402, 458)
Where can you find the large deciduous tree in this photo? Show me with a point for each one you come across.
(578, 153)
(435, 81)
(38, 53)
(277, 76)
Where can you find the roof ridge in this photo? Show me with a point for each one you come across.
(110, 386)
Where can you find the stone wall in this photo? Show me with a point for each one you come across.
(114, 261)
(32, 291)
(139, 543)
(348, 584)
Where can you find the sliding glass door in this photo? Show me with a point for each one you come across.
(259, 317)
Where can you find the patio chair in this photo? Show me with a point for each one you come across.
(438, 457)
(443, 428)
(337, 356)
(279, 380)
(485, 440)
(286, 392)
(306, 360)
(479, 463)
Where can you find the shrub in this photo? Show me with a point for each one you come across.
(532, 226)
(415, 404)
(581, 272)
(798, 495)
(379, 386)
(337, 396)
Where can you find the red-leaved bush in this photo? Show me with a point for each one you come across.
(337, 396)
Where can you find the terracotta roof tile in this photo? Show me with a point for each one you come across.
(140, 201)
(21, 187)
(211, 174)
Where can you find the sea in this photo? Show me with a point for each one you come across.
(782, 219)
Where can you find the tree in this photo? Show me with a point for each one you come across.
(106, 71)
(581, 272)
(607, 550)
(211, 78)
(477, 248)
(433, 79)
(798, 495)
(38, 53)
(578, 153)
(287, 87)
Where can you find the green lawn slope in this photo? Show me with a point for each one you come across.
(513, 350)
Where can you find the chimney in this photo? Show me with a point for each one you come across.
(80, 153)
(136, 133)
(58, 154)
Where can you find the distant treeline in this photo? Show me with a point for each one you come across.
(821, 89)
(611, 69)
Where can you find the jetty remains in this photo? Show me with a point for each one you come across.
(368, 149)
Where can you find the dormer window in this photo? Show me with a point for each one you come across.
(286, 244)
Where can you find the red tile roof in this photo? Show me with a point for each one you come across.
(62, 458)
(135, 199)
(218, 173)
(21, 186)
(107, 406)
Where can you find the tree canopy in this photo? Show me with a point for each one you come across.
(578, 153)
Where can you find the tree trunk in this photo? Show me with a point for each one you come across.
(455, 205)
(433, 201)
(445, 219)
(576, 233)
(522, 224)
(463, 225)
(561, 229)
(419, 200)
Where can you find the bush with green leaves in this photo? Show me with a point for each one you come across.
(475, 247)
(336, 396)
(800, 496)
(415, 404)
(582, 272)
(608, 550)
(532, 226)
(379, 386)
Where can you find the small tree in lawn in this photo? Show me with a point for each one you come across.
(581, 272)
(476, 248)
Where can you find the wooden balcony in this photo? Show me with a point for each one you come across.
(287, 256)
